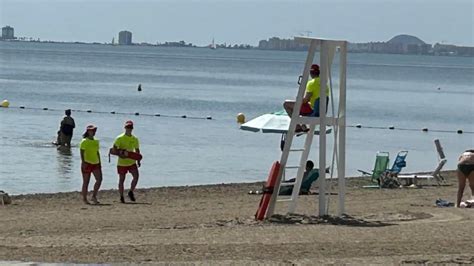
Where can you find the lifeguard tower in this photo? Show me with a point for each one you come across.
(335, 118)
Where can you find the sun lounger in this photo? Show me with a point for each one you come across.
(435, 175)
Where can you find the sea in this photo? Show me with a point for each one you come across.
(185, 115)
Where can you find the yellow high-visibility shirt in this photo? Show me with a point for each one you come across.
(91, 150)
(128, 143)
(314, 87)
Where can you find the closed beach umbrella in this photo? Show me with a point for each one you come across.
(277, 122)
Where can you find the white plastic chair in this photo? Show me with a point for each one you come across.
(436, 173)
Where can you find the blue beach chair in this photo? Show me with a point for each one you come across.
(398, 164)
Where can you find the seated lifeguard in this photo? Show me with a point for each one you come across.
(310, 175)
(310, 105)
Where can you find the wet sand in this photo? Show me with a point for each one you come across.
(214, 224)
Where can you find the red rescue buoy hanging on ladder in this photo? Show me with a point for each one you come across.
(267, 191)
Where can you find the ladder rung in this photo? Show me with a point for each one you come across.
(292, 167)
(283, 200)
(297, 149)
(284, 184)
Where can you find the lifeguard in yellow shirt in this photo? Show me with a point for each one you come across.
(311, 99)
(90, 163)
(127, 142)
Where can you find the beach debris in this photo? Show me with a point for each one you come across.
(443, 203)
(293, 218)
(5, 198)
(390, 182)
(467, 204)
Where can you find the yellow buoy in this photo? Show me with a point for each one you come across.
(5, 103)
(240, 118)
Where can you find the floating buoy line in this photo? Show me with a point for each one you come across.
(425, 129)
(115, 112)
(240, 117)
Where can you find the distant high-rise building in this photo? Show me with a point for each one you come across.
(8, 33)
(125, 38)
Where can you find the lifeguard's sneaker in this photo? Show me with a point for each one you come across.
(131, 196)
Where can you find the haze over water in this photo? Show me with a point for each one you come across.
(382, 90)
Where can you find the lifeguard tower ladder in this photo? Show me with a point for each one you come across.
(328, 49)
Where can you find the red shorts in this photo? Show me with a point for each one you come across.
(306, 109)
(123, 170)
(89, 168)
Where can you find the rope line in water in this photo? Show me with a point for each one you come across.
(114, 112)
(458, 131)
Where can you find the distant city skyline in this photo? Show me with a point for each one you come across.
(240, 21)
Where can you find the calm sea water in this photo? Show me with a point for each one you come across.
(382, 90)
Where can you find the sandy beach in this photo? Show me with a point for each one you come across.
(214, 224)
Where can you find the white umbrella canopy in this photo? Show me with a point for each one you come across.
(277, 122)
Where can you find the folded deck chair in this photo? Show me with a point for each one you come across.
(435, 174)
(308, 180)
(380, 167)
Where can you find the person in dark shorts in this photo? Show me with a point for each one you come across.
(66, 130)
(465, 172)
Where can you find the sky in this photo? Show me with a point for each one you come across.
(240, 21)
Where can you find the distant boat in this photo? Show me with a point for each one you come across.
(213, 45)
(113, 41)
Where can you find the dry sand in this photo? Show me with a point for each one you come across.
(214, 225)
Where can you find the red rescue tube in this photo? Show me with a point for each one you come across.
(268, 191)
(127, 154)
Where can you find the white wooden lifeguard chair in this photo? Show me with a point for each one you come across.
(337, 120)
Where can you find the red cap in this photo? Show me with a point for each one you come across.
(314, 67)
(91, 127)
(129, 123)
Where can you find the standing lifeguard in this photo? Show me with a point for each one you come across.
(127, 142)
(90, 163)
